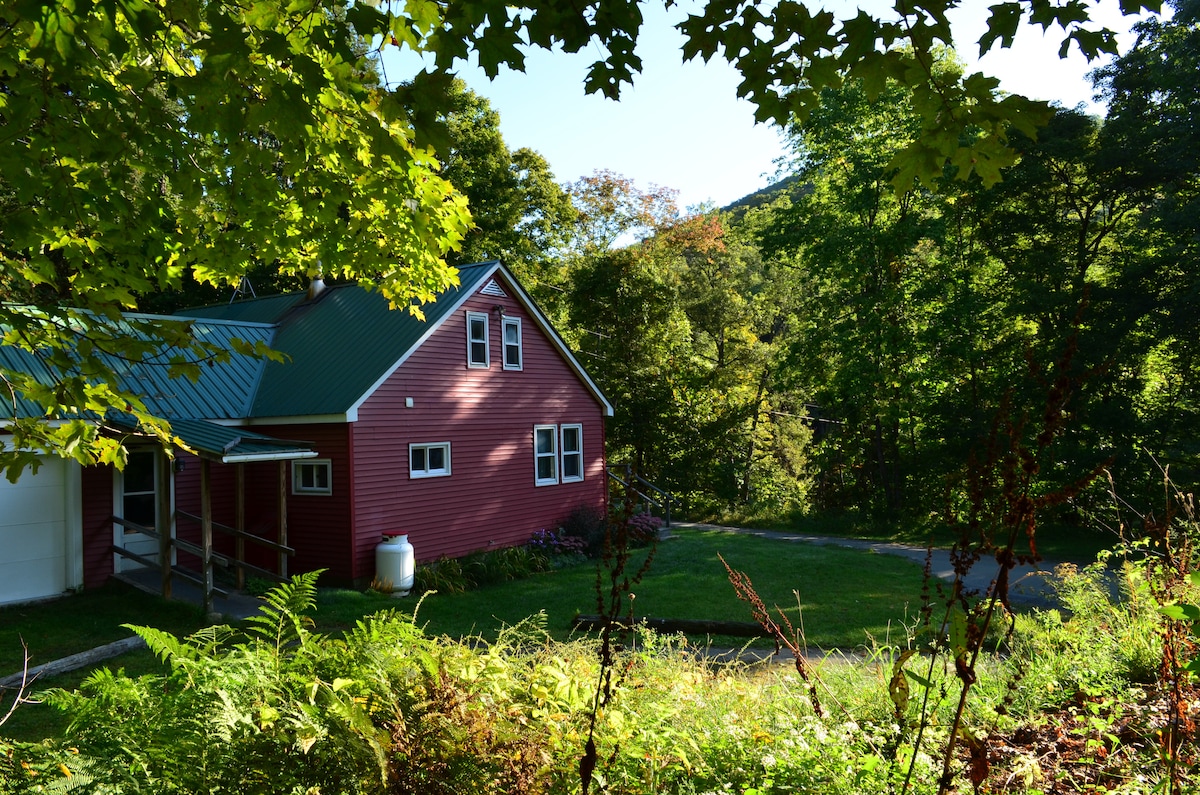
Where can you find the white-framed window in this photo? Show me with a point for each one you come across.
(429, 460)
(313, 476)
(572, 453)
(512, 343)
(477, 340)
(545, 454)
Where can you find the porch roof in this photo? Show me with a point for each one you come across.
(229, 445)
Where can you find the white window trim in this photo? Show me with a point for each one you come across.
(563, 452)
(552, 455)
(298, 467)
(487, 347)
(429, 473)
(516, 323)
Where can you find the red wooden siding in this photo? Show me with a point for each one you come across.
(187, 498)
(319, 526)
(488, 415)
(96, 488)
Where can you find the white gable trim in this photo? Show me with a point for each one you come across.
(535, 315)
(540, 320)
(464, 296)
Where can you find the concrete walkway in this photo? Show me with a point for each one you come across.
(1028, 585)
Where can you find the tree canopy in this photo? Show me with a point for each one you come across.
(143, 138)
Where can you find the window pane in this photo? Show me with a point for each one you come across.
(511, 334)
(322, 473)
(479, 352)
(570, 440)
(571, 466)
(478, 329)
(437, 458)
(307, 478)
(545, 468)
(139, 472)
(545, 440)
(418, 459)
(512, 356)
(139, 508)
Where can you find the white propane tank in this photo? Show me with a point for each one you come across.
(395, 562)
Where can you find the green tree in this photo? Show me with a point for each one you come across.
(1150, 144)
(861, 253)
(635, 339)
(521, 215)
(683, 330)
(143, 139)
(610, 206)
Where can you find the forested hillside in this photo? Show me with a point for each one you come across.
(835, 343)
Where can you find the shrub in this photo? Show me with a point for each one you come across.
(455, 575)
(445, 575)
(1109, 639)
(556, 545)
(643, 528)
(501, 565)
(587, 524)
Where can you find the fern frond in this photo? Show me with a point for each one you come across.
(281, 619)
(207, 641)
(164, 645)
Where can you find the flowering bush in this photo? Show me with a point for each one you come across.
(555, 543)
(643, 528)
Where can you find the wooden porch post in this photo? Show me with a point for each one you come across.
(206, 536)
(283, 490)
(166, 476)
(239, 523)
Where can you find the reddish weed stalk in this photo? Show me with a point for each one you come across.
(614, 601)
(780, 631)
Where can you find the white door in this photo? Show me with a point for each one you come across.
(41, 543)
(135, 499)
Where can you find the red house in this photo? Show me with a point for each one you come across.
(467, 430)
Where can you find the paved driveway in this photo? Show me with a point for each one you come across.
(1027, 587)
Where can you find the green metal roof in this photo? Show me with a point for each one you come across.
(230, 445)
(338, 347)
(237, 445)
(224, 390)
(340, 344)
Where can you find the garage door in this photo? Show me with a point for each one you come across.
(40, 537)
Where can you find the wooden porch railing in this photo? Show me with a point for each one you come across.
(208, 557)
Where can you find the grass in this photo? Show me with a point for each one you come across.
(845, 596)
(56, 629)
(841, 598)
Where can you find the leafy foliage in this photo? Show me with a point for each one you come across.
(147, 142)
(142, 139)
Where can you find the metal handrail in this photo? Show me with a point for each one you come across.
(667, 497)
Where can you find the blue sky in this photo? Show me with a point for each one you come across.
(681, 125)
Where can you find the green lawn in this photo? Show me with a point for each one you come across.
(845, 594)
(67, 626)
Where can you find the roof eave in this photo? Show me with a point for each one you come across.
(534, 312)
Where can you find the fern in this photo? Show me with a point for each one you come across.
(281, 621)
(164, 645)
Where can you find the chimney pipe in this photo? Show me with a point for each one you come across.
(317, 285)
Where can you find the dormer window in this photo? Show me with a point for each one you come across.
(477, 340)
(512, 343)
